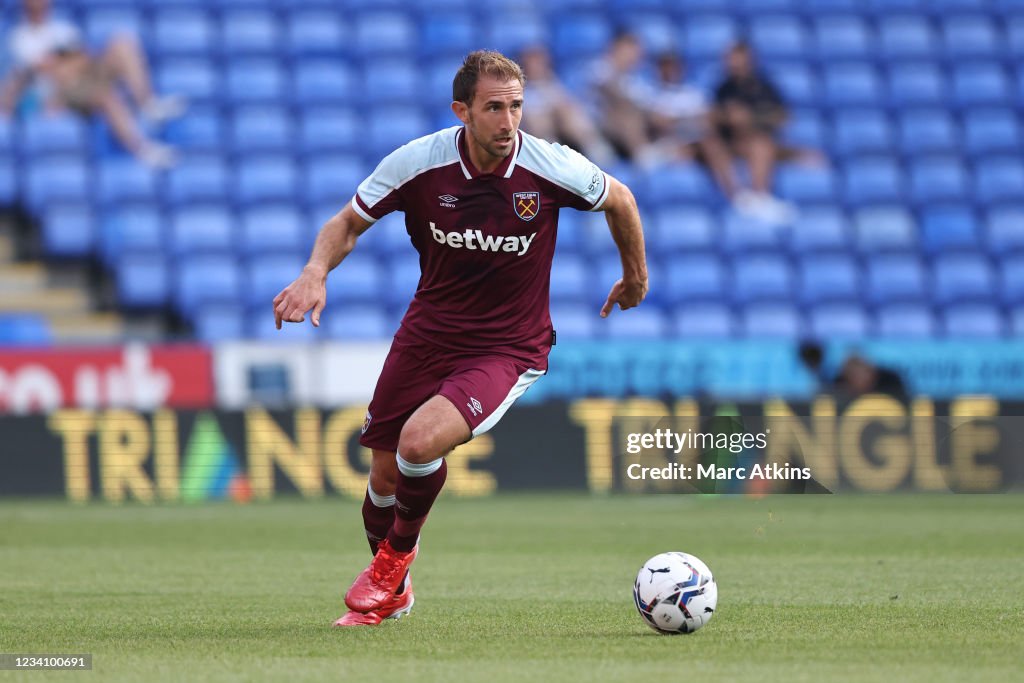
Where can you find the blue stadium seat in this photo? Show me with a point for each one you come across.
(132, 227)
(359, 323)
(948, 228)
(1016, 322)
(182, 32)
(198, 178)
(706, 36)
(694, 277)
(401, 277)
(708, 320)
(262, 129)
(1015, 36)
(805, 128)
(273, 228)
(1012, 280)
(124, 179)
(852, 84)
(962, 278)
(191, 77)
(862, 130)
(390, 81)
(938, 179)
(829, 278)
(896, 278)
(24, 329)
(973, 321)
(905, 321)
(6, 136)
(393, 126)
(676, 183)
(884, 228)
(360, 279)
(839, 321)
(201, 130)
(321, 81)
(143, 280)
(570, 279)
(1004, 234)
(999, 179)
(777, 320)
(255, 80)
(681, 228)
(104, 23)
(906, 35)
(818, 8)
(642, 323)
(574, 321)
(874, 180)
(744, 233)
(316, 32)
(332, 179)
(202, 229)
(265, 178)
(991, 130)
(56, 179)
(581, 35)
(762, 277)
(219, 323)
(980, 83)
(842, 37)
(655, 29)
(206, 279)
(8, 183)
(69, 230)
(329, 129)
(512, 31)
(820, 228)
(806, 184)
(796, 81)
(247, 32)
(385, 34)
(454, 34)
(917, 84)
(59, 133)
(267, 275)
(778, 36)
(754, 8)
(924, 131)
(967, 36)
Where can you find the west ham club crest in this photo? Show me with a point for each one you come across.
(527, 204)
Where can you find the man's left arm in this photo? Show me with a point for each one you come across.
(624, 222)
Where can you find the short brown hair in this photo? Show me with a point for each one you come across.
(489, 63)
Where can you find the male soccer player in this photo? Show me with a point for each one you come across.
(481, 205)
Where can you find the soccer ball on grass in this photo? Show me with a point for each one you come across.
(675, 593)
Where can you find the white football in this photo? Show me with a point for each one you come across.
(675, 593)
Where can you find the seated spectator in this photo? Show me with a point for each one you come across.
(750, 113)
(552, 113)
(859, 376)
(620, 94)
(680, 119)
(49, 54)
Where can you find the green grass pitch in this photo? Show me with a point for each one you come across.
(522, 588)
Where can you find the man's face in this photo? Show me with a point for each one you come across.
(493, 118)
(739, 63)
(36, 9)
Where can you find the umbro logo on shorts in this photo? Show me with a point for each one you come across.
(473, 239)
(474, 407)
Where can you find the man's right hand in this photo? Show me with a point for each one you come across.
(308, 291)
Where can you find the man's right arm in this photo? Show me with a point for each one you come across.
(336, 240)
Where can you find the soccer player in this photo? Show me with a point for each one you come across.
(481, 205)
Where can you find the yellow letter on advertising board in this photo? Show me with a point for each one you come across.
(891, 450)
(74, 427)
(971, 438)
(815, 448)
(463, 481)
(269, 446)
(166, 464)
(124, 447)
(341, 426)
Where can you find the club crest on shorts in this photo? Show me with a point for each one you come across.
(366, 422)
(527, 204)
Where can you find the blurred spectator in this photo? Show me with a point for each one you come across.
(858, 377)
(49, 55)
(553, 114)
(812, 356)
(620, 95)
(679, 117)
(750, 112)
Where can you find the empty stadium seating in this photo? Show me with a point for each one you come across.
(914, 229)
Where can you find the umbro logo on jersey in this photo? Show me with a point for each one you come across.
(474, 407)
(448, 200)
(473, 239)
